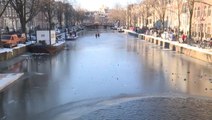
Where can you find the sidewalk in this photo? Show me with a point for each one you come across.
(7, 79)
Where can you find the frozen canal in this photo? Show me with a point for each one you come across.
(115, 76)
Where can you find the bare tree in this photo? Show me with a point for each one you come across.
(117, 14)
(26, 10)
(80, 15)
(179, 12)
(141, 13)
(4, 6)
(146, 5)
(191, 11)
(69, 12)
(49, 10)
(60, 10)
(160, 7)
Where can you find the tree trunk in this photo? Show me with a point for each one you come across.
(179, 25)
(23, 25)
(190, 24)
(163, 21)
(146, 22)
(178, 30)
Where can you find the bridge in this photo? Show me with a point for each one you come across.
(98, 25)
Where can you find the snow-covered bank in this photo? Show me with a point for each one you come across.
(3, 50)
(59, 43)
(206, 51)
(192, 51)
(7, 79)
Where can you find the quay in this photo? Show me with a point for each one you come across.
(192, 51)
(8, 53)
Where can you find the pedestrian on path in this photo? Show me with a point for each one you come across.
(184, 38)
(96, 35)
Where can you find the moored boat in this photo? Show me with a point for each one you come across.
(49, 49)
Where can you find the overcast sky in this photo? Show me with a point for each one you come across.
(96, 4)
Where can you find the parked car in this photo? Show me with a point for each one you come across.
(9, 40)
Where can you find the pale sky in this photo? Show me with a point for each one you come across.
(96, 4)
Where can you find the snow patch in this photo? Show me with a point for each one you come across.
(7, 79)
(3, 50)
(30, 42)
(59, 43)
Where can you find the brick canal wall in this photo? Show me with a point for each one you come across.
(13, 53)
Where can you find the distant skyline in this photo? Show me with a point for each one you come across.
(96, 4)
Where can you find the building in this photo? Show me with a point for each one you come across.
(202, 20)
(96, 17)
(9, 19)
(176, 15)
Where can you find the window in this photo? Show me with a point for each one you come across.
(198, 12)
(184, 9)
(209, 30)
(204, 11)
(209, 11)
(195, 12)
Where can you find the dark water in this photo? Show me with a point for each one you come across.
(112, 66)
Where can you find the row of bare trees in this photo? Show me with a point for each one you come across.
(117, 14)
(28, 9)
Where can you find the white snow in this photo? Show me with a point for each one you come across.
(59, 43)
(30, 42)
(7, 79)
(130, 31)
(3, 50)
(19, 46)
(207, 51)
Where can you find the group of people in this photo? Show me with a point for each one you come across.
(97, 35)
(168, 34)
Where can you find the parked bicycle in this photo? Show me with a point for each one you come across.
(205, 44)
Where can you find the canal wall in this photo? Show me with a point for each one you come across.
(6, 53)
(9, 53)
(195, 52)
